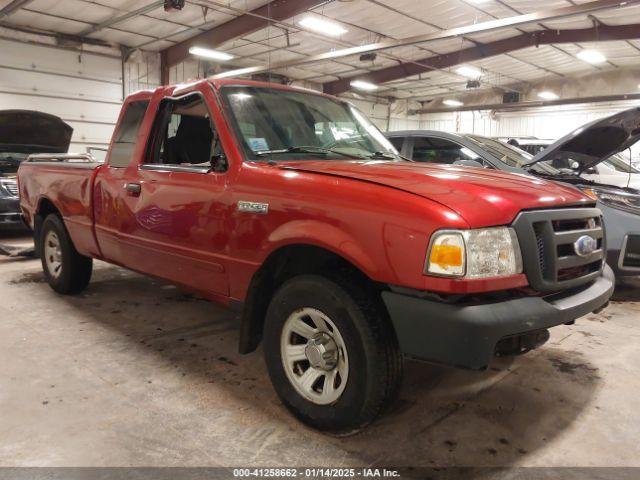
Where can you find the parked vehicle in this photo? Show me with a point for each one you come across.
(615, 170)
(621, 207)
(23, 132)
(293, 207)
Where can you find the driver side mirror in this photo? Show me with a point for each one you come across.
(219, 163)
(574, 165)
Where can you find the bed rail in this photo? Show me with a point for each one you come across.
(62, 157)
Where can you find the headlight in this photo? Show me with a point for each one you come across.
(481, 253)
(619, 199)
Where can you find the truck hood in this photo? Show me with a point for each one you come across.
(481, 197)
(28, 131)
(596, 141)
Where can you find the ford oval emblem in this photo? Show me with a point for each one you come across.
(585, 246)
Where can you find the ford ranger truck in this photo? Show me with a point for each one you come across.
(342, 257)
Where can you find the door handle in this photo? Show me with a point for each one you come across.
(133, 189)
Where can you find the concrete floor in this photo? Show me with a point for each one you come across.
(135, 373)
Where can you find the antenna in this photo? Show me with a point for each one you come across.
(630, 168)
(269, 22)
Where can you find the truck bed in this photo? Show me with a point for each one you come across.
(67, 181)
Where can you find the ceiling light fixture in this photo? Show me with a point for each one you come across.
(211, 54)
(450, 102)
(547, 95)
(591, 56)
(469, 72)
(237, 72)
(322, 26)
(362, 85)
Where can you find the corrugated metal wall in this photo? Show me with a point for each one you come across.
(84, 89)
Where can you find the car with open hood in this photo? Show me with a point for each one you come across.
(620, 206)
(24, 132)
(617, 170)
(594, 151)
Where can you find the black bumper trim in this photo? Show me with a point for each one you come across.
(466, 335)
(10, 214)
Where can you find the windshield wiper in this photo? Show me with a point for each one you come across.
(307, 149)
(382, 156)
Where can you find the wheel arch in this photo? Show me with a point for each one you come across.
(282, 264)
(44, 208)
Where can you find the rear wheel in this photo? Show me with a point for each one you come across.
(64, 268)
(332, 356)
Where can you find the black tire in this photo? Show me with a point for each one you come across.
(375, 360)
(74, 272)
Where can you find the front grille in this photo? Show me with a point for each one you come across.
(631, 252)
(547, 239)
(11, 185)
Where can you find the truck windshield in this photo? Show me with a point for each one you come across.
(275, 124)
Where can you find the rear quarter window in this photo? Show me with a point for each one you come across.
(125, 141)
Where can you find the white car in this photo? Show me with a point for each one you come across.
(616, 170)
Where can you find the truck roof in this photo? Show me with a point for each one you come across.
(218, 83)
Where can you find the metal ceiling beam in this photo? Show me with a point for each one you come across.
(242, 25)
(491, 49)
(121, 18)
(61, 38)
(483, 27)
(13, 7)
(532, 104)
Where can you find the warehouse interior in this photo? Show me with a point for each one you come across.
(136, 372)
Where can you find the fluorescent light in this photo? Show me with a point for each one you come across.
(362, 85)
(208, 53)
(450, 102)
(469, 72)
(547, 95)
(236, 73)
(591, 56)
(322, 26)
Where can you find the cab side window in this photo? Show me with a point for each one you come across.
(439, 150)
(125, 140)
(184, 136)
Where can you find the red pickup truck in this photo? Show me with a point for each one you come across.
(292, 207)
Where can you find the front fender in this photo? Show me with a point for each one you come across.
(323, 235)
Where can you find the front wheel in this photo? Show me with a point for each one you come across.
(65, 270)
(331, 354)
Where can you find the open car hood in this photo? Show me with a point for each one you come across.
(28, 131)
(596, 141)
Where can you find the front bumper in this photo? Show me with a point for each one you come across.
(464, 335)
(10, 214)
